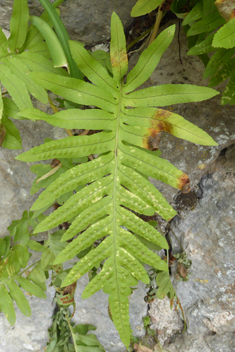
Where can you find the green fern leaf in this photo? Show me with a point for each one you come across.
(31, 287)
(41, 49)
(34, 37)
(207, 24)
(92, 68)
(62, 35)
(10, 108)
(38, 277)
(228, 96)
(12, 261)
(225, 36)
(195, 14)
(167, 94)
(77, 90)
(148, 60)
(6, 305)
(203, 47)
(3, 38)
(72, 147)
(18, 25)
(222, 74)
(118, 53)
(165, 286)
(117, 180)
(142, 7)
(73, 118)
(15, 87)
(12, 138)
(15, 67)
(57, 53)
(218, 59)
(18, 296)
(19, 69)
(36, 62)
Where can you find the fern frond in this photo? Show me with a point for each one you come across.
(24, 51)
(116, 181)
(13, 261)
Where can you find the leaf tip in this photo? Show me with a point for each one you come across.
(184, 183)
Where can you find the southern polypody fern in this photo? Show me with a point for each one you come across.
(116, 181)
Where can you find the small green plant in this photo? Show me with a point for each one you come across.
(65, 336)
(210, 28)
(24, 51)
(184, 264)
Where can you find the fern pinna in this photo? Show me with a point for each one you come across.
(115, 183)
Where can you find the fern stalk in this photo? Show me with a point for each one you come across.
(157, 24)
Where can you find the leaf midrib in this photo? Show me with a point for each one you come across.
(115, 201)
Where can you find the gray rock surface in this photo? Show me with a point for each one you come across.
(207, 234)
(16, 177)
(85, 20)
(165, 321)
(199, 343)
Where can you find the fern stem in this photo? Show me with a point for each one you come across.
(71, 330)
(51, 172)
(84, 133)
(142, 36)
(21, 273)
(56, 3)
(156, 25)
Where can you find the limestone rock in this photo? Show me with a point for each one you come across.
(221, 343)
(207, 233)
(165, 321)
(85, 20)
(15, 176)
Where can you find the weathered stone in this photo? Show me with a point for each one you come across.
(207, 234)
(85, 20)
(189, 343)
(200, 343)
(15, 176)
(221, 343)
(165, 321)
